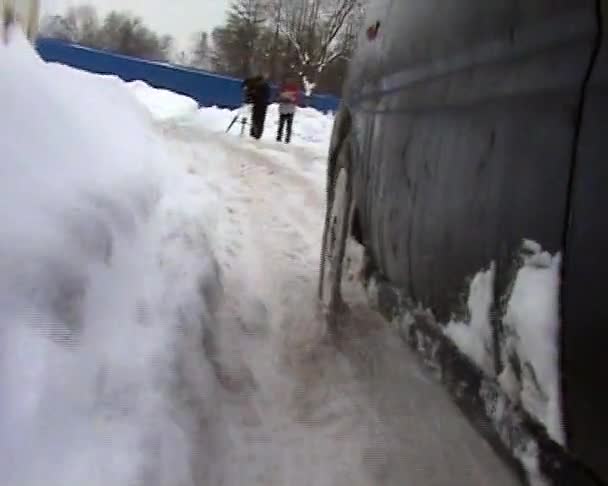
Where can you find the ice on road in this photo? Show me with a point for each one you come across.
(159, 322)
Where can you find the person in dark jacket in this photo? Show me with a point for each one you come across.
(257, 93)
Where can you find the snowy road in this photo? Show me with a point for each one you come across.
(295, 409)
(124, 360)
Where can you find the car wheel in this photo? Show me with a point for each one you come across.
(337, 224)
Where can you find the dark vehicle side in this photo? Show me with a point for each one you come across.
(466, 128)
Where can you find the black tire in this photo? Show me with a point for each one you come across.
(335, 232)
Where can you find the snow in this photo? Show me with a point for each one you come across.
(309, 86)
(532, 247)
(310, 128)
(97, 291)
(474, 338)
(532, 328)
(163, 105)
(528, 455)
(159, 320)
(529, 353)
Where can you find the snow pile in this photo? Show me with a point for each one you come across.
(102, 290)
(163, 105)
(531, 354)
(217, 119)
(474, 338)
(310, 127)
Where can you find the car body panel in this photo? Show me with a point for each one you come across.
(451, 144)
(585, 333)
(466, 130)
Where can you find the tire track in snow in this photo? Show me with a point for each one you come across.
(297, 410)
(307, 414)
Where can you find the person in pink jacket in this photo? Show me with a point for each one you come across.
(288, 101)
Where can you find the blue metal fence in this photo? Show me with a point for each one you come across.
(208, 89)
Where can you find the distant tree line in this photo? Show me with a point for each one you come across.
(118, 32)
(310, 40)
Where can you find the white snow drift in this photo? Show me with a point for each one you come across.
(310, 126)
(101, 286)
(163, 105)
(106, 261)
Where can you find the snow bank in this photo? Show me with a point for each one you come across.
(163, 104)
(474, 338)
(217, 119)
(310, 128)
(532, 326)
(102, 291)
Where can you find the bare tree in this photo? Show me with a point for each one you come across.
(237, 44)
(274, 11)
(56, 27)
(23, 12)
(118, 32)
(124, 33)
(83, 24)
(320, 32)
(201, 54)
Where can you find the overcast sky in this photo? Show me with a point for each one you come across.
(179, 18)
